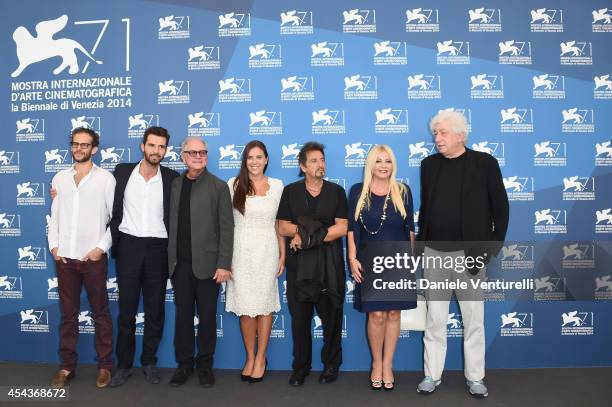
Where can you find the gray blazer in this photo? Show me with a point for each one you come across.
(212, 225)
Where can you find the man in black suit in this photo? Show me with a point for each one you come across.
(201, 239)
(464, 214)
(139, 227)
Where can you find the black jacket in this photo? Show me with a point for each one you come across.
(317, 267)
(122, 175)
(212, 225)
(484, 202)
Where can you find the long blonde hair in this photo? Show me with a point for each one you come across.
(397, 189)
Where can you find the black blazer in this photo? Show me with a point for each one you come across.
(122, 175)
(484, 202)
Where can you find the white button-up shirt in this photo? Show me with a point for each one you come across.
(143, 206)
(80, 214)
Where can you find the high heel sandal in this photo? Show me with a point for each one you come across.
(376, 384)
(388, 388)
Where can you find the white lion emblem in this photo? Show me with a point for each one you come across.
(42, 47)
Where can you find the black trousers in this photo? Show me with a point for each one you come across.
(301, 329)
(189, 293)
(142, 265)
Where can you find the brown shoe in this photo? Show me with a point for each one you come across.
(62, 378)
(104, 378)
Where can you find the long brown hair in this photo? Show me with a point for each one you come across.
(242, 183)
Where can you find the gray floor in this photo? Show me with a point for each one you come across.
(533, 387)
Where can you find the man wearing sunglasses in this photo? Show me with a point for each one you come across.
(200, 242)
(79, 237)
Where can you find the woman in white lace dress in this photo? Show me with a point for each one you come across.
(259, 256)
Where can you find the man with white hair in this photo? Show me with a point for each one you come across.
(463, 215)
(200, 241)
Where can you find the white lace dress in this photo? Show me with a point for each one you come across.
(253, 289)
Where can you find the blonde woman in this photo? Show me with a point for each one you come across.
(380, 209)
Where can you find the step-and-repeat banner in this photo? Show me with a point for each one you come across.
(533, 79)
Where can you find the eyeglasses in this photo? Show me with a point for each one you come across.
(82, 146)
(195, 153)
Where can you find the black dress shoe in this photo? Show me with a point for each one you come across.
(151, 373)
(258, 379)
(206, 377)
(329, 375)
(244, 377)
(180, 376)
(120, 377)
(297, 377)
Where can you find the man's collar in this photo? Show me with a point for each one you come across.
(157, 174)
(204, 172)
(94, 167)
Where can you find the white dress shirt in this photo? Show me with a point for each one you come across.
(80, 214)
(143, 206)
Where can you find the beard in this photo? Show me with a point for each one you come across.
(85, 157)
(153, 159)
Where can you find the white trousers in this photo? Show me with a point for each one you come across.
(471, 304)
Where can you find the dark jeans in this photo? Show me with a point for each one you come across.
(142, 265)
(301, 329)
(189, 293)
(71, 276)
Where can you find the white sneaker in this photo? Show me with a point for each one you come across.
(428, 385)
(477, 388)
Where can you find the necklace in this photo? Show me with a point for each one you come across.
(383, 217)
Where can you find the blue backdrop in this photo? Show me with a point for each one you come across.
(534, 83)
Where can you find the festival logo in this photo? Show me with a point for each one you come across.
(486, 86)
(30, 129)
(265, 122)
(359, 21)
(296, 22)
(550, 154)
(33, 320)
(484, 20)
(297, 88)
(203, 57)
(453, 52)
(328, 121)
(516, 120)
(422, 20)
(173, 92)
(234, 24)
(391, 121)
(513, 52)
(550, 221)
(390, 53)
(234, 90)
(173, 27)
(545, 20)
(577, 322)
(422, 86)
(548, 86)
(516, 324)
(264, 55)
(204, 124)
(576, 53)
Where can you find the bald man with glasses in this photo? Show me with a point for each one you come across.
(200, 242)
